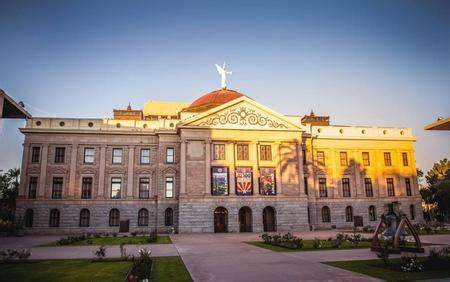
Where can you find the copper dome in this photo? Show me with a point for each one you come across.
(213, 99)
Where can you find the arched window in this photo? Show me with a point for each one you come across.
(372, 213)
(412, 212)
(54, 218)
(84, 218)
(168, 216)
(349, 214)
(29, 214)
(326, 214)
(114, 217)
(143, 217)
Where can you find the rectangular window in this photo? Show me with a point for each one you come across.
(170, 155)
(169, 187)
(343, 158)
(305, 183)
(32, 187)
(57, 188)
(60, 153)
(320, 158)
(35, 154)
(145, 156)
(390, 187)
(219, 151)
(387, 159)
(86, 188)
(346, 187)
(368, 187)
(116, 187)
(89, 155)
(242, 152)
(408, 187)
(304, 156)
(323, 187)
(265, 152)
(144, 188)
(117, 155)
(366, 158)
(405, 159)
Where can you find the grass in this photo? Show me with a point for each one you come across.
(165, 269)
(308, 246)
(109, 241)
(376, 268)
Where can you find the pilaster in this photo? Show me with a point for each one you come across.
(208, 167)
(73, 167)
(130, 172)
(43, 175)
(23, 171)
(101, 173)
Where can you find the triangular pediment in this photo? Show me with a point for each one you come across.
(241, 113)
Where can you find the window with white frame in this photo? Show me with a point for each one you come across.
(117, 154)
(89, 155)
(169, 187)
(145, 156)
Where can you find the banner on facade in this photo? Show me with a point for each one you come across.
(244, 181)
(267, 181)
(219, 180)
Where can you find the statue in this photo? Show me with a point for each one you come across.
(393, 227)
(223, 73)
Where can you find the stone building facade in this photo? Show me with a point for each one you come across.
(223, 163)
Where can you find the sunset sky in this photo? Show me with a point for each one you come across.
(377, 63)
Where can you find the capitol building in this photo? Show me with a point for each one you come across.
(222, 163)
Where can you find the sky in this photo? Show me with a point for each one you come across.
(376, 63)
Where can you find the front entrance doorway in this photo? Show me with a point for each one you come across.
(220, 220)
(245, 220)
(269, 219)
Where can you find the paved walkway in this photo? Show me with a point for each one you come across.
(214, 257)
(225, 257)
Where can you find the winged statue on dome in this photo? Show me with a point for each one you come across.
(223, 73)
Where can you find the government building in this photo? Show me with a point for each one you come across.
(223, 163)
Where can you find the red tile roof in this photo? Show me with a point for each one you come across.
(213, 99)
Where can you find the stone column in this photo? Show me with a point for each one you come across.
(183, 168)
(359, 191)
(130, 173)
(23, 170)
(73, 167)
(301, 174)
(253, 154)
(278, 168)
(208, 167)
(335, 193)
(379, 185)
(43, 175)
(101, 173)
(230, 155)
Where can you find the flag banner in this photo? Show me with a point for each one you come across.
(267, 181)
(244, 181)
(219, 180)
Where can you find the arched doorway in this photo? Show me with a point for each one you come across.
(269, 219)
(220, 220)
(245, 220)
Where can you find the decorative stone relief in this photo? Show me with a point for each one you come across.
(242, 116)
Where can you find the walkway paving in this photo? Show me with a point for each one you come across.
(224, 257)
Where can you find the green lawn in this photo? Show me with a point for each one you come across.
(376, 268)
(108, 241)
(165, 269)
(308, 246)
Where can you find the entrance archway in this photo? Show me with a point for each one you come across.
(269, 219)
(220, 220)
(245, 220)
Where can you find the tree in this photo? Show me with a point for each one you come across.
(436, 194)
(9, 186)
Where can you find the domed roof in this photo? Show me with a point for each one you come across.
(213, 99)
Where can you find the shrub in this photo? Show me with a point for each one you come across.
(114, 234)
(317, 243)
(355, 238)
(142, 265)
(438, 258)
(97, 235)
(89, 242)
(336, 243)
(100, 253)
(13, 254)
(133, 234)
(69, 240)
(153, 237)
(287, 240)
(411, 264)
